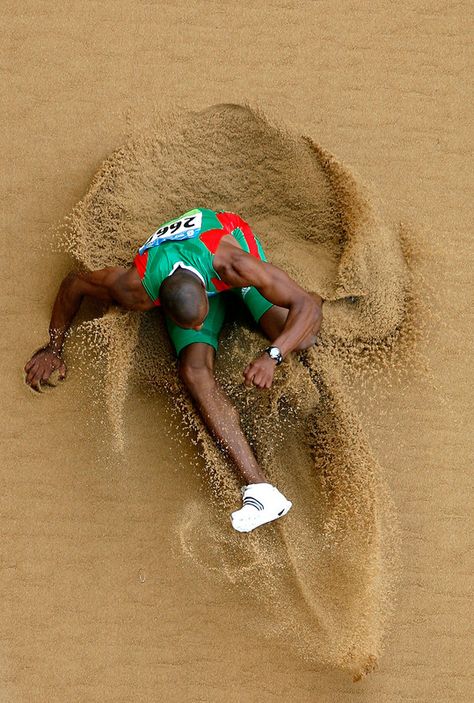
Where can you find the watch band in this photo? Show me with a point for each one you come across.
(275, 354)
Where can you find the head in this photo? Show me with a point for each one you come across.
(184, 299)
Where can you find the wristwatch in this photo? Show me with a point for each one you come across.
(275, 354)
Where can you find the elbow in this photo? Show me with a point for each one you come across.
(309, 306)
(70, 289)
(313, 303)
(70, 281)
(318, 314)
(317, 303)
(313, 324)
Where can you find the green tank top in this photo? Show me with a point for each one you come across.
(190, 241)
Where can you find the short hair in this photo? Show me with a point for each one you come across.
(183, 297)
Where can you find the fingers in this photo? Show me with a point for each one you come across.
(36, 387)
(31, 373)
(35, 382)
(257, 377)
(31, 369)
(248, 375)
(29, 364)
(37, 378)
(262, 381)
(39, 373)
(40, 367)
(34, 359)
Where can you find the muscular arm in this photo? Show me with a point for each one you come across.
(73, 289)
(239, 269)
(105, 284)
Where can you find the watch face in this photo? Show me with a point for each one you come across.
(275, 353)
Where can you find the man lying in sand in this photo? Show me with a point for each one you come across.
(183, 267)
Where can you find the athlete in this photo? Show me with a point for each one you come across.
(184, 268)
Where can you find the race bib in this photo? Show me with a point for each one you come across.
(185, 227)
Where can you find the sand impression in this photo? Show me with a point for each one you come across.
(325, 575)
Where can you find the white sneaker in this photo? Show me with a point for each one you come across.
(262, 503)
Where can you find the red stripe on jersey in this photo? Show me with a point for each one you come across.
(220, 285)
(212, 238)
(249, 238)
(140, 262)
(230, 221)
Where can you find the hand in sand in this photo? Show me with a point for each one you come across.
(41, 365)
(260, 372)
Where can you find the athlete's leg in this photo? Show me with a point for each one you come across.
(196, 368)
(262, 502)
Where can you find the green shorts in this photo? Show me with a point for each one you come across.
(218, 304)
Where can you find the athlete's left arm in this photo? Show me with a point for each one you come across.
(304, 310)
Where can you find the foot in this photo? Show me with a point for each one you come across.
(262, 503)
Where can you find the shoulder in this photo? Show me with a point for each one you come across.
(128, 290)
(238, 268)
(227, 252)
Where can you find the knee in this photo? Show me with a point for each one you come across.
(196, 377)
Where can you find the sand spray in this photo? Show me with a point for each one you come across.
(325, 575)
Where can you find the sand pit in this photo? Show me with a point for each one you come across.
(118, 580)
(325, 576)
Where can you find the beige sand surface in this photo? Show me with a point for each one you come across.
(99, 603)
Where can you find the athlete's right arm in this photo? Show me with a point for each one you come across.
(103, 285)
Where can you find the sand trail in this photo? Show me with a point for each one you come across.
(324, 574)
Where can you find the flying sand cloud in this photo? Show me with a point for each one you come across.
(325, 575)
